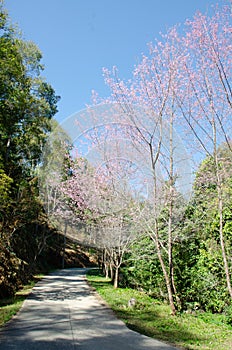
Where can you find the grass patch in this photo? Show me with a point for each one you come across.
(10, 306)
(153, 318)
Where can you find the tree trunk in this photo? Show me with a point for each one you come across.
(106, 268)
(170, 248)
(170, 209)
(220, 211)
(155, 238)
(170, 212)
(165, 273)
(222, 241)
(116, 274)
(111, 272)
(64, 245)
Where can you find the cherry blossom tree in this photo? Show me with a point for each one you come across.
(150, 106)
(184, 85)
(206, 107)
(109, 201)
(91, 200)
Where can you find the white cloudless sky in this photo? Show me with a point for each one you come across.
(80, 37)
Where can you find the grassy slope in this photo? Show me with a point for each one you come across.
(150, 317)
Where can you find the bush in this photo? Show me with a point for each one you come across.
(228, 313)
(10, 272)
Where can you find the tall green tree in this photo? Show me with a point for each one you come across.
(27, 102)
(27, 105)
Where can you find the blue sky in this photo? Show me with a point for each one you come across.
(80, 37)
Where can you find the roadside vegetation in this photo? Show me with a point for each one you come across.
(11, 305)
(149, 316)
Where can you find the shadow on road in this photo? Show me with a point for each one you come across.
(63, 313)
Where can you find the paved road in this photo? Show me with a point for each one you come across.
(62, 313)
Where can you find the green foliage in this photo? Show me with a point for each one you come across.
(27, 103)
(198, 264)
(142, 270)
(207, 276)
(204, 267)
(5, 192)
(228, 313)
(198, 330)
(10, 267)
